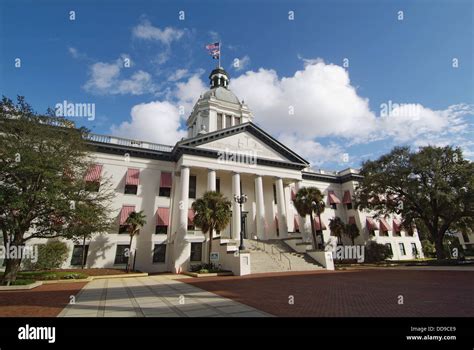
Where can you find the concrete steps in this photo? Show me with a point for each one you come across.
(276, 256)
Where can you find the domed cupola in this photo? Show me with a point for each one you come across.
(219, 78)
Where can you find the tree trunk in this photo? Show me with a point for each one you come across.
(83, 252)
(210, 245)
(129, 254)
(440, 255)
(321, 229)
(11, 270)
(312, 231)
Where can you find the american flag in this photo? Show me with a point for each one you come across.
(214, 50)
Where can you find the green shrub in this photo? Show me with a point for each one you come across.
(429, 250)
(375, 252)
(50, 256)
(22, 282)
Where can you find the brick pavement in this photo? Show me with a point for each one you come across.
(351, 293)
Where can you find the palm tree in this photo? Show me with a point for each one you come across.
(212, 213)
(135, 221)
(307, 201)
(337, 227)
(352, 231)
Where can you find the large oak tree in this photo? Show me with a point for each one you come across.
(433, 186)
(43, 161)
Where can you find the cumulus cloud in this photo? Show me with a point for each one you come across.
(104, 78)
(146, 31)
(188, 92)
(157, 121)
(160, 121)
(317, 101)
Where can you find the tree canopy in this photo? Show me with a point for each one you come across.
(434, 186)
(43, 163)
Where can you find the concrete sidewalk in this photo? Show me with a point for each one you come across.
(153, 296)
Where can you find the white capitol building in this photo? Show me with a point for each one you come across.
(224, 151)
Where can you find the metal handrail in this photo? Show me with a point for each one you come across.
(284, 254)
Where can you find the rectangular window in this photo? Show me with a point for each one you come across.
(402, 249)
(159, 253)
(123, 229)
(334, 206)
(196, 251)
(237, 120)
(349, 206)
(218, 185)
(121, 254)
(414, 249)
(76, 259)
(275, 194)
(389, 247)
(219, 121)
(371, 232)
(161, 229)
(165, 192)
(165, 184)
(228, 121)
(192, 186)
(131, 189)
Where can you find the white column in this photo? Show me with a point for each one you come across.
(260, 217)
(211, 180)
(235, 207)
(305, 235)
(182, 249)
(282, 223)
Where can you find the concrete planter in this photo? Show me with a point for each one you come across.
(211, 274)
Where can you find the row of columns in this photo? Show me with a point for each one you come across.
(182, 248)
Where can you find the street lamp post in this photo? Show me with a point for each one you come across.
(241, 200)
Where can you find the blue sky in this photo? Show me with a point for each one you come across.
(296, 63)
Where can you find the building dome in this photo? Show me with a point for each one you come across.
(222, 94)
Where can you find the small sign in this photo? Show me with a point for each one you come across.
(214, 256)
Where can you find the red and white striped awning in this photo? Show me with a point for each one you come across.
(133, 177)
(297, 225)
(93, 173)
(371, 224)
(163, 216)
(352, 220)
(165, 180)
(333, 198)
(125, 212)
(317, 225)
(347, 197)
(397, 225)
(190, 217)
(384, 226)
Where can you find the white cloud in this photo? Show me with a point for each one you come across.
(187, 93)
(145, 30)
(104, 78)
(313, 151)
(157, 121)
(241, 63)
(178, 75)
(317, 101)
